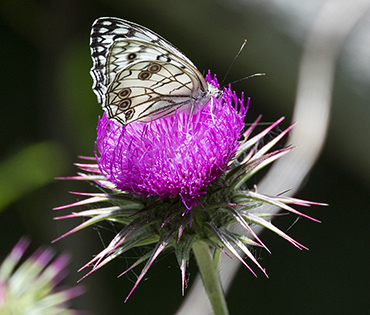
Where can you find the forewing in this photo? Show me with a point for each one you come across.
(127, 51)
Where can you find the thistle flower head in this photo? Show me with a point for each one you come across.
(179, 180)
(176, 155)
(31, 288)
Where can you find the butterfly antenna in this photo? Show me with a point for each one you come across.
(248, 77)
(232, 63)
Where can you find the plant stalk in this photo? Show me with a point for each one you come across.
(210, 278)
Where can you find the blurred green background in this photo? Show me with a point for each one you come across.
(49, 115)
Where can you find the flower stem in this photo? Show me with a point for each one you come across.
(210, 277)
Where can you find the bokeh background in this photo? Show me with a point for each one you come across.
(49, 115)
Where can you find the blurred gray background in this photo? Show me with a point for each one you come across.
(49, 115)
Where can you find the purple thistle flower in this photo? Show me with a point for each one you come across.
(154, 173)
(32, 287)
(177, 155)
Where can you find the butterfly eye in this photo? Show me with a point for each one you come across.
(129, 113)
(124, 93)
(144, 75)
(124, 104)
(154, 68)
(131, 56)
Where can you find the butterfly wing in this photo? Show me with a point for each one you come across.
(139, 76)
(106, 31)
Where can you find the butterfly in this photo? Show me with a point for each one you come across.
(140, 76)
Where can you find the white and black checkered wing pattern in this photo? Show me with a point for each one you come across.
(139, 76)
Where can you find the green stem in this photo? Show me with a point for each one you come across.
(210, 277)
